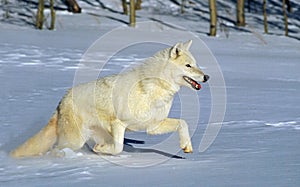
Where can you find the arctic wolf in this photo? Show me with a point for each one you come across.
(104, 109)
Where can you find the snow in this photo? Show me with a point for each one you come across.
(257, 145)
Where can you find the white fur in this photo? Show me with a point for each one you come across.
(140, 99)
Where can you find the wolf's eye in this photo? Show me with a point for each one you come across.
(188, 65)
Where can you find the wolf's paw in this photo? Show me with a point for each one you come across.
(109, 149)
(187, 148)
(98, 148)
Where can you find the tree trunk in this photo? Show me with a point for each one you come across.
(285, 18)
(182, 6)
(213, 18)
(40, 15)
(132, 13)
(73, 6)
(52, 25)
(138, 5)
(125, 9)
(265, 16)
(240, 14)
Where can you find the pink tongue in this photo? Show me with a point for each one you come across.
(196, 85)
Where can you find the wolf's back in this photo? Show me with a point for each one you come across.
(41, 142)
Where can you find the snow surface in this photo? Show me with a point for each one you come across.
(258, 144)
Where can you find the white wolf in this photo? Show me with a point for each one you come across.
(104, 109)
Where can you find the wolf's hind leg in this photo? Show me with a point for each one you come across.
(116, 145)
(171, 125)
(70, 133)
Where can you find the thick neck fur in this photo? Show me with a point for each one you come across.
(155, 71)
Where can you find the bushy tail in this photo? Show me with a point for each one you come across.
(39, 143)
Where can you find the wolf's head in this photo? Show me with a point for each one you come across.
(185, 71)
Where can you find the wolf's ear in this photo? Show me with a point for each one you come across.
(187, 45)
(176, 51)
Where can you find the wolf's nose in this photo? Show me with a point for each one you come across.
(206, 77)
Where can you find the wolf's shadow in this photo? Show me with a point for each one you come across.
(131, 149)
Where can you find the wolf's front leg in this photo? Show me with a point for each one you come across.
(116, 146)
(171, 125)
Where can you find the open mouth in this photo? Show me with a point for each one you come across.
(192, 82)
